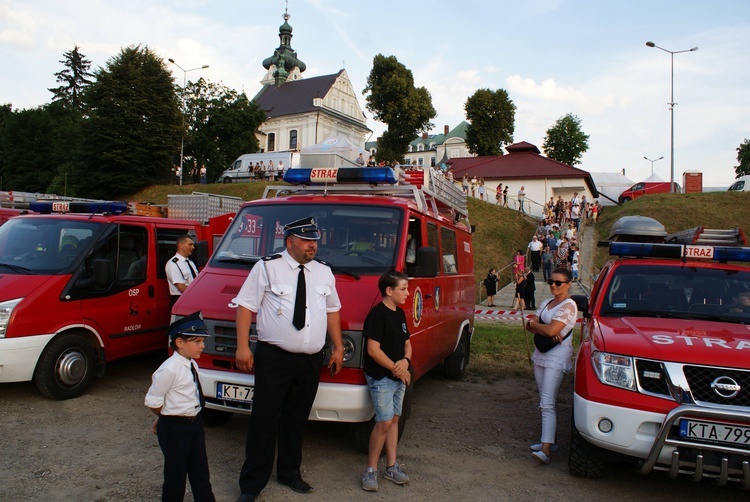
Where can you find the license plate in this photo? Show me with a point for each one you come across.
(230, 392)
(715, 432)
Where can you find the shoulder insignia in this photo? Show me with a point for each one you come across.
(175, 260)
(271, 257)
(323, 262)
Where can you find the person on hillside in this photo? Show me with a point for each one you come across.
(505, 196)
(481, 189)
(535, 250)
(530, 290)
(490, 284)
(499, 194)
(361, 160)
(465, 185)
(520, 279)
(548, 257)
(204, 174)
(521, 199)
(474, 182)
(555, 319)
(520, 260)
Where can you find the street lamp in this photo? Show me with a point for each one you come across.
(652, 163)
(184, 83)
(671, 110)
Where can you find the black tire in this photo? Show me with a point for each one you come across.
(581, 463)
(66, 367)
(456, 363)
(227, 179)
(625, 200)
(214, 418)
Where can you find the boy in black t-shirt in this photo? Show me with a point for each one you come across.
(387, 361)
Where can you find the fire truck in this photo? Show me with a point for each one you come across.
(370, 222)
(662, 378)
(83, 284)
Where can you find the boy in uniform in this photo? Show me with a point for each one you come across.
(176, 398)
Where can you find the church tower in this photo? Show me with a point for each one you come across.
(283, 65)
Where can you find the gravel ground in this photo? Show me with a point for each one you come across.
(465, 441)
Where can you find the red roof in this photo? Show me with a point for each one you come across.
(523, 161)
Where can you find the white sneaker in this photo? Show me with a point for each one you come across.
(541, 457)
(538, 447)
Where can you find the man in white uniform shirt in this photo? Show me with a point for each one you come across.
(291, 324)
(180, 270)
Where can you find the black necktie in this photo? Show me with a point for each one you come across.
(300, 300)
(190, 266)
(197, 381)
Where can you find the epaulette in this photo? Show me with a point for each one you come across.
(322, 262)
(271, 257)
(175, 259)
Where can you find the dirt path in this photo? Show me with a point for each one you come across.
(465, 441)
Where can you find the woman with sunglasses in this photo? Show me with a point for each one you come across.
(555, 319)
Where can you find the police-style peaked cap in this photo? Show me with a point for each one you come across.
(191, 325)
(306, 228)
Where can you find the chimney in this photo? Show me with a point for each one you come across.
(446, 129)
(424, 135)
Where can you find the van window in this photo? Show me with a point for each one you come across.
(356, 238)
(448, 248)
(740, 185)
(271, 142)
(166, 245)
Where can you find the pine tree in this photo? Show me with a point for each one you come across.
(74, 79)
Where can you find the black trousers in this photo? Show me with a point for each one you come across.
(285, 388)
(184, 448)
(536, 260)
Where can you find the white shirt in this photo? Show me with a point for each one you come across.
(535, 245)
(173, 388)
(270, 290)
(178, 272)
(559, 357)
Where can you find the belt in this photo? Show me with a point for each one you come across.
(295, 354)
(180, 419)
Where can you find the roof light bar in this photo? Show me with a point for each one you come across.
(321, 176)
(78, 207)
(677, 251)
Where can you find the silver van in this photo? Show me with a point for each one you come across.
(742, 184)
(242, 168)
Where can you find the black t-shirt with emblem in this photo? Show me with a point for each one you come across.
(389, 328)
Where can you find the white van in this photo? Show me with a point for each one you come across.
(241, 169)
(742, 184)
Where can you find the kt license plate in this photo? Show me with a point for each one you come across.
(715, 432)
(231, 392)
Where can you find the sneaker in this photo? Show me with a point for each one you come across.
(541, 457)
(370, 480)
(538, 447)
(395, 474)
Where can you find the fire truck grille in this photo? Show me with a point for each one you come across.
(652, 377)
(719, 385)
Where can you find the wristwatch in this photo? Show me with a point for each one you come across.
(408, 360)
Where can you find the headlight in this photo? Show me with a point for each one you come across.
(348, 348)
(6, 309)
(613, 369)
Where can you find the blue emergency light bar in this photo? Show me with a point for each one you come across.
(49, 207)
(678, 251)
(323, 175)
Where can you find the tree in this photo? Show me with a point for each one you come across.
(491, 115)
(565, 141)
(221, 125)
(74, 78)
(394, 100)
(133, 128)
(743, 157)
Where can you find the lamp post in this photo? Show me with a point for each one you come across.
(671, 110)
(652, 162)
(184, 83)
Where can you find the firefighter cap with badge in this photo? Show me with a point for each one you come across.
(306, 228)
(188, 326)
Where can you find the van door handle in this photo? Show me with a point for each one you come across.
(428, 295)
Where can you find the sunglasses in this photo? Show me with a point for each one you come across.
(557, 283)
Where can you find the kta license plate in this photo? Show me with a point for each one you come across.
(711, 432)
(230, 392)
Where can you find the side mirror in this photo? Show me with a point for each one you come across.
(582, 303)
(201, 254)
(427, 262)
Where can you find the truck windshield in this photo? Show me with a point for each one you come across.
(682, 292)
(43, 245)
(358, 239)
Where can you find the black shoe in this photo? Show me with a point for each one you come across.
(296, 483)
(246, 497)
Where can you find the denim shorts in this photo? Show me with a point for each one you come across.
(387, 396)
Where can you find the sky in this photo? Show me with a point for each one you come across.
(554, 57)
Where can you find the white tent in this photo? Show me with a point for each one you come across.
(339, 145)
(611, 185)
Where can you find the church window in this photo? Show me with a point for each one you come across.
(271, 142)
(293, 139)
